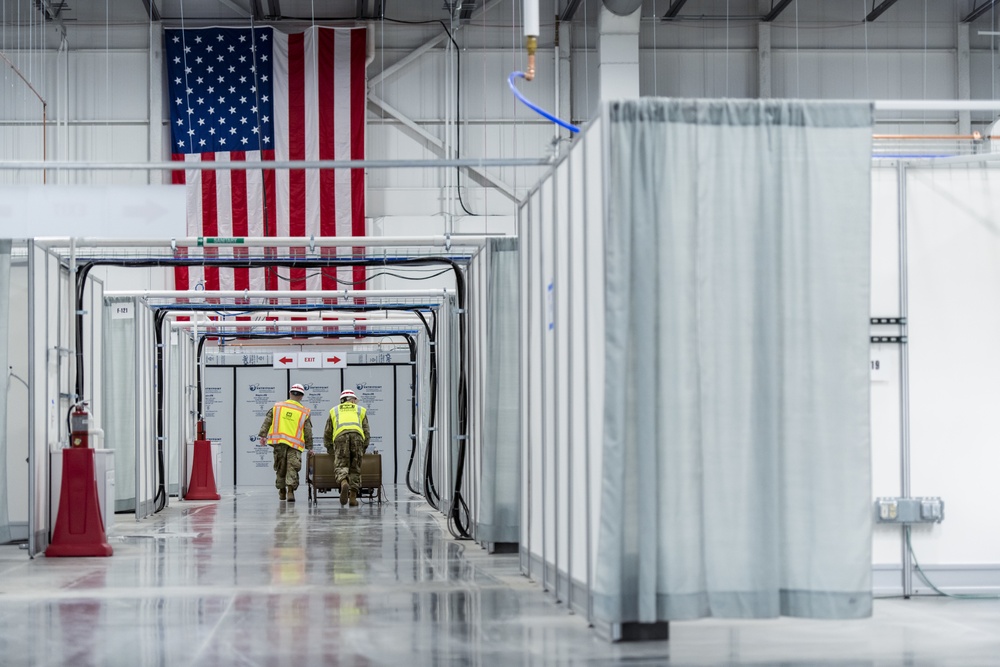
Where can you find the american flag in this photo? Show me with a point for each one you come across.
(259, 95)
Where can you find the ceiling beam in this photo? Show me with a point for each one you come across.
(53, 14)
(242, 11)
(437, 145)
(675, 7)
(979, 11)
(877, 11)
(775, 10)
(151, 10)
(570, 10)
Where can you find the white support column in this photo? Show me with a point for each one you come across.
(155, 98)
(618, 48)
(764, 60)
(964, 78)
(564, 98)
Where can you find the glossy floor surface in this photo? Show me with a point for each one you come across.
(249, 580)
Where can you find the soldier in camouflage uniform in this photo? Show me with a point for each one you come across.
(346, 438)
(289, 435)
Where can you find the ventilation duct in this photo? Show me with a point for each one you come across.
(622, 7)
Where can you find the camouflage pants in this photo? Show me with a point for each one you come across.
(287, 464)
(347, 450)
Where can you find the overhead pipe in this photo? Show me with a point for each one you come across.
(473, 163)
(281, 294)
(447, 242)
(531, 31)
(622, 7)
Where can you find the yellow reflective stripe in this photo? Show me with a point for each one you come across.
(287, 421)
(353, 416)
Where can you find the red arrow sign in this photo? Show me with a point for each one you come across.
(286, 360)
(333, 360)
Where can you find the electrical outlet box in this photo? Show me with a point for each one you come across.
(909, 510)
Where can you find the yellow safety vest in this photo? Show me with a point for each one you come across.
(347, 417)
(286, 425)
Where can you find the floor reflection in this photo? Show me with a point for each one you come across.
(250, 580)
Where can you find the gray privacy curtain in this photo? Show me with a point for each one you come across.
(736, 476)
(120, 398)
(5, 245)
(500, 510)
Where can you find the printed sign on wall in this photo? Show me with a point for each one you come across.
(217, 406)
(257, 390)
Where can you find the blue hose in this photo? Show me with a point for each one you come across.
(533, 107)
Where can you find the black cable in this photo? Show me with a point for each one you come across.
(160, 498)
(458, 102)
(458, 514)
(323, 274)
(430, 490)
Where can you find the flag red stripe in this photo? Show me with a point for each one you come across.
(241, 221)
(181, 278)
(327, 149)
(358, 95)
(297, 149)
(209, 219)
(270, 217)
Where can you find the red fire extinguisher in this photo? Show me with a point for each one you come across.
(79, 426)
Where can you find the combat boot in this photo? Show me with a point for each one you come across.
(354, 498)
(281, 494)
(343, 492)
(291, 495)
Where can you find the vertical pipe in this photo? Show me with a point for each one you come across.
(527, 374)
(588, 533)
(74, 322)
(557, 378)
(763, 60)
(181, 390)
(571, 297)
(136, 356)
(543, 360)
(904, 376)
(32, 429)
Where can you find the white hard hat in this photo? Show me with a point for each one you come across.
(347, 393)
(297, 389)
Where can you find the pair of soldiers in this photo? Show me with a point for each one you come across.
(287, 429)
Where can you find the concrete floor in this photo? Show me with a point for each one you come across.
(249, 580)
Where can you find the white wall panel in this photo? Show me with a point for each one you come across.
(561, 232)
(16, 486)
(258, 388)
(954, 240)
(676, 73)
(578, 368)
(859, 75)
(218, 405)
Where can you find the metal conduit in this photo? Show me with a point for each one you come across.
(89, 165)
(279, 294)
(444, 241)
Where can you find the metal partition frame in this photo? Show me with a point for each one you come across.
(145, 419)
(560, 230)
(50, 375)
